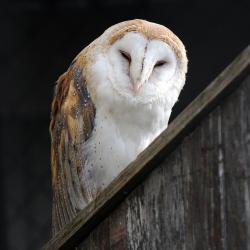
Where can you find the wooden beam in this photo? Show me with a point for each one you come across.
(97, 210)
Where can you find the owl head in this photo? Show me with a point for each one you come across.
(137, 62)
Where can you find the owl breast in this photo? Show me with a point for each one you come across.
(119, 137)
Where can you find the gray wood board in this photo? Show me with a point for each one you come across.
(195, 182)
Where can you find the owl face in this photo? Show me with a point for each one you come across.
(138, 69)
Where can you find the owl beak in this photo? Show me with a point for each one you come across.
(136, 86)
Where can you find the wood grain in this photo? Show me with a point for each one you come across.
(190, 200)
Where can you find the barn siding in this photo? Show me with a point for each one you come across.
(199, 196)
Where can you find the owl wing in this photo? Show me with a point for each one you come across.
(72, 122)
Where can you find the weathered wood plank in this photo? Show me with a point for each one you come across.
(97, 210)
(118, 228)
(99, 239)
(236, 164)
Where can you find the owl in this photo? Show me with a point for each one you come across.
(114, 100)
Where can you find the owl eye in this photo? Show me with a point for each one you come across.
(126, 55)
(160, 63)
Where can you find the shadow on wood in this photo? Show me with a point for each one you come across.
(190, 189)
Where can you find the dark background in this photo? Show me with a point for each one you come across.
(39, 39)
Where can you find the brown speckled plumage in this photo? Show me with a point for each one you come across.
(72, 121)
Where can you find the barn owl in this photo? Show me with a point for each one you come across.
(114, 100)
